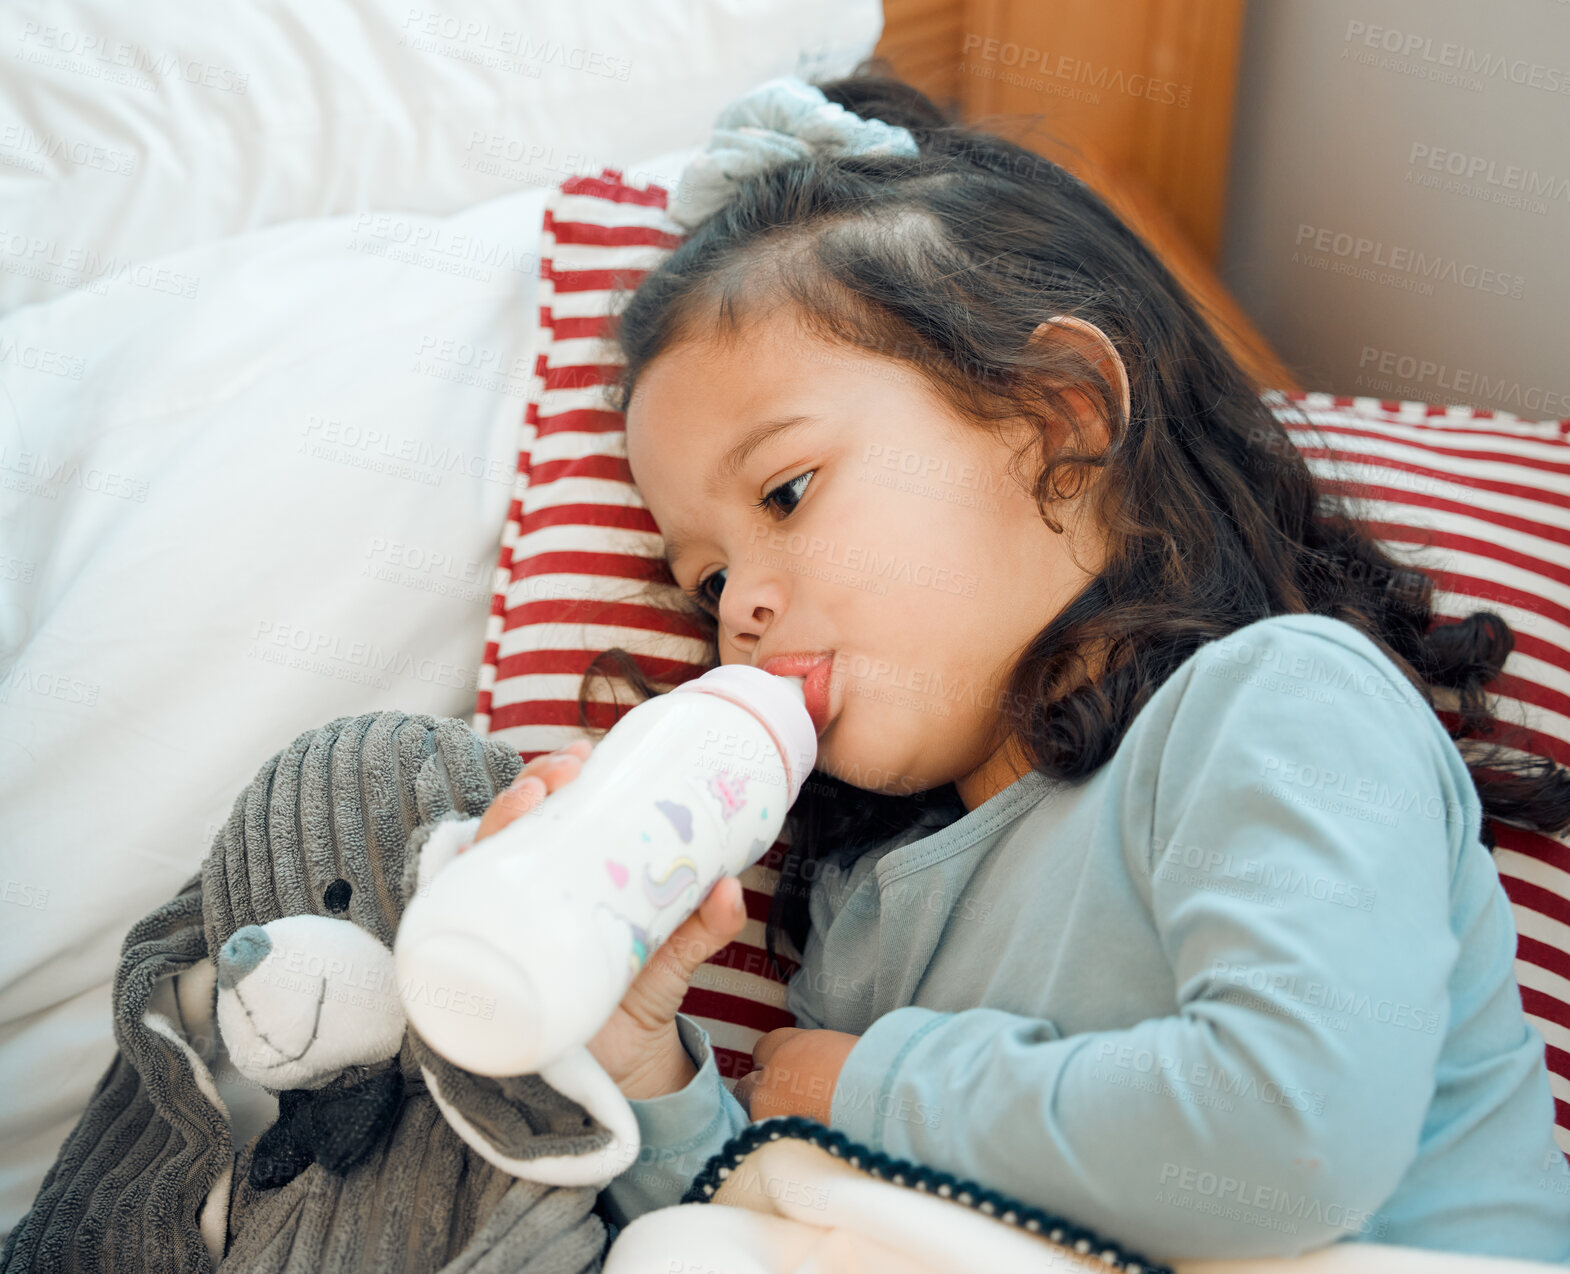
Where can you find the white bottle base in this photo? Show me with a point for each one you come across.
(476, 1007)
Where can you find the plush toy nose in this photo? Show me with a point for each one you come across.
(247, 947)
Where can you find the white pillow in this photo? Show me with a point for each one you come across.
(129, 131)
(225, 519)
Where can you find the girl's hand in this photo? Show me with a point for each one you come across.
(796, 1074)
(538, 779)
(639, 1046)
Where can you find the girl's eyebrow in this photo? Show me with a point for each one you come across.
(732, 461)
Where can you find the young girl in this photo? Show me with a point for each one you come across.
(1141, 881)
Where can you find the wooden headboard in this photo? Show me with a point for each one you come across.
(1133, 96)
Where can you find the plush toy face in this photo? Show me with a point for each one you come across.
(279, 954)
(301, 998)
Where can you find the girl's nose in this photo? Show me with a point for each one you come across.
(247, 947)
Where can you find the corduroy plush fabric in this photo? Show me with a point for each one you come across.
(323, 843)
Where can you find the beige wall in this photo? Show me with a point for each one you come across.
(1373, 265)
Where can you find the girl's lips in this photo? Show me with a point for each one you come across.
(814, 669)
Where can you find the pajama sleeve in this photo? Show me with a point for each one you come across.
(679, 1133)
(1281, 1103)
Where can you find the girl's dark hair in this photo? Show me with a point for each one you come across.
(947, 262)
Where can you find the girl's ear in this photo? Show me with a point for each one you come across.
(1094, 344)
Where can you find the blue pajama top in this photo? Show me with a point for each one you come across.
(1247, 990)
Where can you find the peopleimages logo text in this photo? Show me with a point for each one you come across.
(1408, 260)
(1459, 57)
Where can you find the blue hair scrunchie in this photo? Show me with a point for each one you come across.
(779, 121)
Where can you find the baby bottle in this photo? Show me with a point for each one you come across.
(538, 930)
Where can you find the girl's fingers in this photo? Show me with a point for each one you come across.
(534, 783)
(657, 992)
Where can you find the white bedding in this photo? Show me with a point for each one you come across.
(254, 477)
(131, 130)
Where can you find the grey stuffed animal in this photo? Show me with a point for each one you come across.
(272, 970)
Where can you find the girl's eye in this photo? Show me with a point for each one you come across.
(707, 592)
(769, 500)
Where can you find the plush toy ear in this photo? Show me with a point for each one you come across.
(142, 1182)
(455, 785)
(567, 1126)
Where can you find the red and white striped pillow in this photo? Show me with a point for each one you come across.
(1490, 493)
